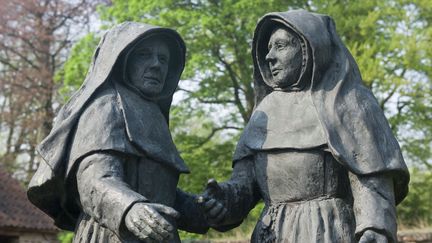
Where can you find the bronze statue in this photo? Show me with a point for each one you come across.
(110, 168)
(317, 149)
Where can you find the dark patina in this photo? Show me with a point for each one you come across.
(110, 168)
(317, 150)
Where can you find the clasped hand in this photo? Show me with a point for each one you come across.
(212, 203)
(145, 221)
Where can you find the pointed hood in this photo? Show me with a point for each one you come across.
(355, 128)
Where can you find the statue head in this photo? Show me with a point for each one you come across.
(284, 57)
(147, 65)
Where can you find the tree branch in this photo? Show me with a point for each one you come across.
(236, 86)
(207, 101)
(13, 50)
(387, 98)
(212, 133)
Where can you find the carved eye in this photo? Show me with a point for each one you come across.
(163, 59)
(281, 45)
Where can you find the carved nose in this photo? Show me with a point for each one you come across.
(155, 63)
(270, 56)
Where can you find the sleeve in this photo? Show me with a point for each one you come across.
(192, 218)
(103, 193)
(240, 194)
(374, 204)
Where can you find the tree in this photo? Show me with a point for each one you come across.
(35, 36)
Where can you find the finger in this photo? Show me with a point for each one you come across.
(140, 231)
(159, 230)
(221, 216)
(213, 187)
(212, 183)
(203, 203)
(152, 232)
(154, 215)
(216, 210)
(166, 210)
(155, 225)
(156, 236)
(208, 206)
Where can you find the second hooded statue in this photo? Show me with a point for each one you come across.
(317, 150)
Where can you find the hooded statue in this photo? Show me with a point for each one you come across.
(317, 149)
(110, 156)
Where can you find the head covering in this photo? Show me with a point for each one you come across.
(303, 81)
(356, 130)
(104, 110)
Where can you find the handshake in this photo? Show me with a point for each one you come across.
(148, 221)
(212, 203)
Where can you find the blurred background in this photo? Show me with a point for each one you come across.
(46, 47)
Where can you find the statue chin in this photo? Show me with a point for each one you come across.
(281, 84)
(150, 90)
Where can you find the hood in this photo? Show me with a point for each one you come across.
(355, 128)
(114, 45)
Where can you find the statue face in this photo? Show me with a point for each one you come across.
(284, 58)
(147, 66)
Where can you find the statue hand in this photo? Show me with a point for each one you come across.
(370, 236)
(211, 202)
(145, 221)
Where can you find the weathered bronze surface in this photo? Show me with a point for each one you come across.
(317, 150)
(110, 168)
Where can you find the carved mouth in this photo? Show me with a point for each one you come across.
(153, 79)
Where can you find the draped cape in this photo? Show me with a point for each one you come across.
(107, 114)
(354, 126)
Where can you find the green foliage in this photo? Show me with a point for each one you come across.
(416, 209)
(65, 237)
(75, 69)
